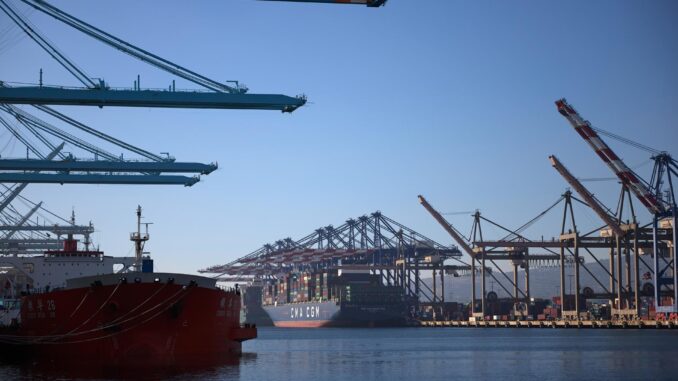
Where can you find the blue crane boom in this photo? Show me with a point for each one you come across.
(55, 229)
(21, 138)
(96, 171)
(43, 95)
(104, 166)
(20, 187)
(34, 241)
(135, 172)
(101, 135)
(28, 246)
(31, 120)
(63, 178)
(130, 49)
(23, 220)
(221, 96)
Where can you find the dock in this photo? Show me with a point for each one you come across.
(609, 324)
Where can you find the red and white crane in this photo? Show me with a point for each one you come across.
(590, 199)
(666, 275)
(625, 174)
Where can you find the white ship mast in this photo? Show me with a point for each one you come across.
(139, 240)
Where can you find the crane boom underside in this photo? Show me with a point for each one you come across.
(62, 178)
(148, 98)
(587, 196)
(105, 166)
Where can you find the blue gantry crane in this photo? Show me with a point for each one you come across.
(370, 242)
(215, 95)
(46, 160)
(104, 168)
(28, 228)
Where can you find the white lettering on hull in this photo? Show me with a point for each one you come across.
(304, 313)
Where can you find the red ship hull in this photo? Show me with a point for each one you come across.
(141, 321)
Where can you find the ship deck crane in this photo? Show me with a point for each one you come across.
(218, 95)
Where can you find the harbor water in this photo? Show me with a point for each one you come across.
(434, 354)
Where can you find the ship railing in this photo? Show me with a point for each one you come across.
(227, 289)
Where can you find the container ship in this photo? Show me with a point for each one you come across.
(335, 298)
(75, 311)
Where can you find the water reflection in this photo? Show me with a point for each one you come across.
(428, 354)
(195, 369)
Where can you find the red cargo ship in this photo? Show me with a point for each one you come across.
(125, 320)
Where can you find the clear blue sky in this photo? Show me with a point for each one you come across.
(450, 99)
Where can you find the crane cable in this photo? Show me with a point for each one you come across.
(627, 141)
(516, 234)
(11, 35)
(46, 45)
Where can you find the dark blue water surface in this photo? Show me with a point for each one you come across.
(438, 354)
